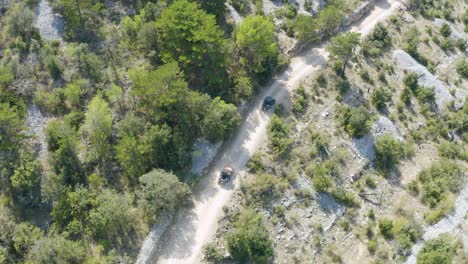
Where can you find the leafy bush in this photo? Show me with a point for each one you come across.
(445, 30)
(442, 209)
(436, 251)
(345, 197)
(160, 190)
(410, 80)
(250, 240)
(462, 68)
(452, 150)
(372, 245)
(263, 187)
(380, 97)
(388, 152)
(278, 135)
(212, 254)
(440, 178)
(356, 121)
(406, 233)
(377, 40)
(255, 163)
(343, 85)
(386, 228)
(256, 40)
(299, 101)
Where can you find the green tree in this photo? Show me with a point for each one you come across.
(56, 249)
(389, 152)
(436, 251)
(445, 30)
(71, 212)
(89, 65)
(329, 19)
(410, 81)
(342, 48)
(386, 228)
(61, 142)
(380, 97)
(11, 127)
(24, 236)
(250, 239)
(256, 39)
(306, 28)
(110, 217)
(160, 190)
(20, 21)
(215, 7)
(278, 135)
(462, 68)
(220, 119)
(98, 128)
(157, 147)
(131, 156)
(26, 180)
(6, 77)
(356, 121)
(162, 94)
(190, 36)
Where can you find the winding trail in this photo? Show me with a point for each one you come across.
(193, 227)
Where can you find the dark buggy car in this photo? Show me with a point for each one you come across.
(226, 174)
(268, 103)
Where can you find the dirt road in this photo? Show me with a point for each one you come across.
(193, 227)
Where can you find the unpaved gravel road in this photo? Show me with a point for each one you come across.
(193, 227)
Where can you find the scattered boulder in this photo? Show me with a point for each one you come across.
(427, 79)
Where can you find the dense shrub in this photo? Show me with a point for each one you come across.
(212, 254)
(436, 251)
(389, 152)
(445, 30)
(345, 197)
(386, 228)
(439, 179)
(160, 190)
(380, 97)
(250, 240)
(278, 135)
(462, 68)
(356, 121)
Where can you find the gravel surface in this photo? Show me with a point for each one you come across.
(50, 25)
(36, 123)
(427, 79)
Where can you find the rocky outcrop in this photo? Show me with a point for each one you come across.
(426, 78)
(361, 11)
